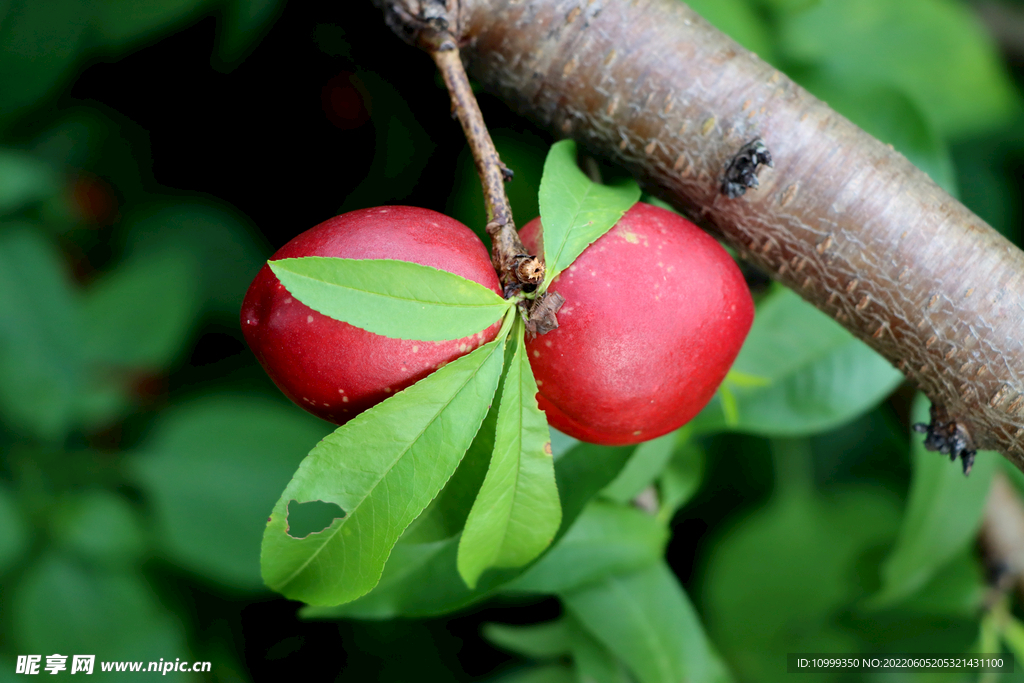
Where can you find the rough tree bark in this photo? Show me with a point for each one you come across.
(842, 219)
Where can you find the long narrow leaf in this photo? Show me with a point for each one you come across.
(647, 621)
(943, 514)
(382, 469)
(517, 512)
(396, 299)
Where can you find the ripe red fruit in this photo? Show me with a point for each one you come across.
(655, 313)
(335, 370)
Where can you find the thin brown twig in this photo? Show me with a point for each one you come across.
(506, 245)
(429, 25)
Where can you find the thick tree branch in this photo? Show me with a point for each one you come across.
(842, 219)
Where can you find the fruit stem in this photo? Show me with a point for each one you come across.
(513, 263)
(432, 26)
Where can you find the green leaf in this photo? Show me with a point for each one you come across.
(608, 538)
(99, 526)
(14, 532)
(580, 474)
(894, 118)
(24, 180)
(119, 24)
(536, 641)
(574, 210)
(60, 606)
(381, 469)
(957, 589)
(41, 366)
(776, 579)
(396, 299)
(944, 511)
(594, 663)
(934, 50)
(517, 512)
(646, 463)
(42, 41)
(1013, 636)
(818, 375)
(242, 25)
(227, 247)
(647, 621)
(446, 515)
(138, 315)
(211, 470)
(680, 480)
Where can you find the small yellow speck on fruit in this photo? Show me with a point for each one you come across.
(415, 349)
(344, 399)
(309, 318)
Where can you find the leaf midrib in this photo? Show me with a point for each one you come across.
(555, 267)
(498, 301)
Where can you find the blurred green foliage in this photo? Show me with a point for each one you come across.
(797, 513)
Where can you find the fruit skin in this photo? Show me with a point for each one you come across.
(655, 313)
(335, 370)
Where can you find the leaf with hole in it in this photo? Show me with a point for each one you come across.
(944, 511)
(647, 621)
(517, 512)
(210, 471)
(580, 473)
(396, 299)
(574, 210)
(381, 469)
